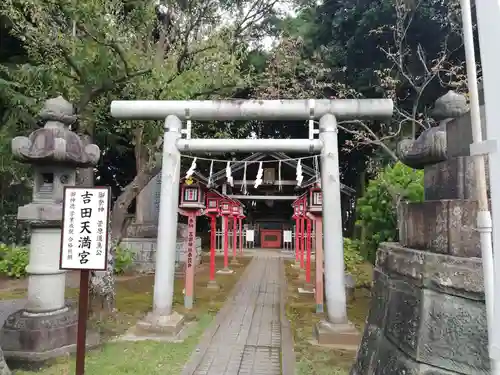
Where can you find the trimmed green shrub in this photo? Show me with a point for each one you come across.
(377, 209)
(13, 261)
(124, 258)
(352, 255)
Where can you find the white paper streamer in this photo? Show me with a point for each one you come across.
(211, 171)
(244, 184)
(299, 173)
(191, 169)
(279, 177)
(229, 177)
(258, 178)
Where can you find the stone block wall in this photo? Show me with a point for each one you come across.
(444, 226)
(427, 315)
(145, 252)
(452, 179)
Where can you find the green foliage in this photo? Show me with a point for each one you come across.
(377, 209)
(13, 261)
(352, 255)
(124, 259)
(12, 231)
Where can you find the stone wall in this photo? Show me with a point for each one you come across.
(145, 252)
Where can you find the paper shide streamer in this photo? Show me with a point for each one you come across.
(229, 177)
(258, 178)
(210, 173)
(298, 173)
(280, 188)
(244, 184)
(191, 169)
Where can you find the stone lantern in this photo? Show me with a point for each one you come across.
(47, 326)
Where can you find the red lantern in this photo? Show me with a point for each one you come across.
(315, 200)
(295, 206)
(213, 202)
(235, 209)
(192, 195)
(225, 206)
(301, 206)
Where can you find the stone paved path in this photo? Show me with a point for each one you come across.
(249, 335)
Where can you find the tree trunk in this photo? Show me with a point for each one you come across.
(103, 282)
(140, 160)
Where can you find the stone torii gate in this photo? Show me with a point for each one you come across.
(162, 318)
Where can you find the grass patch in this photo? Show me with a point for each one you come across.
(134, 299)
(139, 358)
(301, 312)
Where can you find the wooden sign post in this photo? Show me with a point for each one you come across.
(308, 249)
(191, 253)
(191, 215)
(84, 247)
(315, 210)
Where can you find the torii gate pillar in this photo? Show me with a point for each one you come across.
(336, 329)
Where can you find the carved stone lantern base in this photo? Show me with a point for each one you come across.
(28, 337)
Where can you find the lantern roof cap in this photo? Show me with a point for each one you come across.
(194, 180)
(55, 143)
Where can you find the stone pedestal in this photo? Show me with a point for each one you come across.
(338, 336)
(427, 316)
(225, 271)
(158, 326)
(212, 284)
(47, 326)
(307, 288)
(35, 337)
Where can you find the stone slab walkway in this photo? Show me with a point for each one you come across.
(250, 335)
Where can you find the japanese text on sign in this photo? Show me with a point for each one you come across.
(85, 228)
(191, 241)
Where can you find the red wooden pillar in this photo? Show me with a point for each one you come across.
(308, 248)
(302, 265)
(235, 238)
(225, 219)
(213, 229)
(297, 240)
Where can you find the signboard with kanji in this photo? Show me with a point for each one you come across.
(84, 239)
(191, 241)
